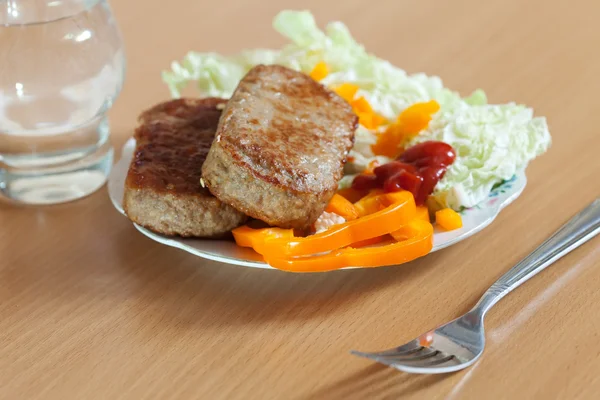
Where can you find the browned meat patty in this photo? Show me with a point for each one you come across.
(280, 147)
(162, 189)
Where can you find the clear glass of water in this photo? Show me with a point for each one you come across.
(61, 67)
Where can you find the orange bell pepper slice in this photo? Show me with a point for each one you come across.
(372, 202)
(417, 117)
(248, 237)
(320, 71)
(419, 242)
(352, 195)
(369, 242)
(423, 213)
(408, 231)
(340, 206)
(448, 219)
(389, 142)
(273, 243)
(347, 91)
(367, 117)
(410, 122)
(362, 105)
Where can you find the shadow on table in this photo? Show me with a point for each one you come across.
(100, 268)
(100, 259)
(376, 381)
(187, 287)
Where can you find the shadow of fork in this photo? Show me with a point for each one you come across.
(376, 381)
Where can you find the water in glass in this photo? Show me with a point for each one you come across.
(61, 67)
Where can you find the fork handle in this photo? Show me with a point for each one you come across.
(581, 228)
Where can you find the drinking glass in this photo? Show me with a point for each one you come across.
(62, 65)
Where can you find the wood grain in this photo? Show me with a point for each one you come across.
(91, 309)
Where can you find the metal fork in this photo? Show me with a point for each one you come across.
(459, 343)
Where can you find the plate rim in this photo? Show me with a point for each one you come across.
(115, 187)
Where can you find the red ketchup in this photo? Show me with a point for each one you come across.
(417, 170)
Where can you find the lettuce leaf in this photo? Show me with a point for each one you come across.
(389, 89)
(493, 142)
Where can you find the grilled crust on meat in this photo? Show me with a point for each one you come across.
(280, 147)
(162, 188)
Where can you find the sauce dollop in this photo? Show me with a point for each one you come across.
(417, 170)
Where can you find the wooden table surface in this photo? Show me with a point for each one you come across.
(91, 309)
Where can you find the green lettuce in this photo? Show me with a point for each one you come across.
(493, 142)
(388, 89)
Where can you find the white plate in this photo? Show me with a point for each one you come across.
(474, 219)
